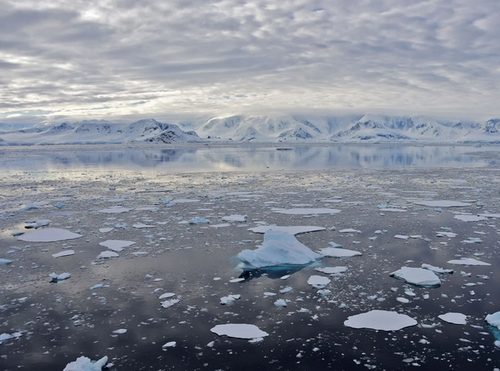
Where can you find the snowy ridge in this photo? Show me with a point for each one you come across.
(274, 128)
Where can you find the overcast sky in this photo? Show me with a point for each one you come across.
(112, 59)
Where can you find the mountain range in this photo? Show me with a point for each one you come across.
(255, 128)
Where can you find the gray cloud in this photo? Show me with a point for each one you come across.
(89, 58)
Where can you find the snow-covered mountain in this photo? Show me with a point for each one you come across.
(92, 132)
(270, 128)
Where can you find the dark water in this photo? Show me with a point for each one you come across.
(239, 158)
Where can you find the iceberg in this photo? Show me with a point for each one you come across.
(239, 331)
(85, 364)
(380, 320)
(278, 249)
(417, 276)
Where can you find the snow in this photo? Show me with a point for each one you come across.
(467, 261)
(442, 203)
(85, 364)
(318, 282)
(293, 230)
(278, 249)
(49, 235)
(334, 252)
(455, 318)
(307, 211)
(116, 245)
(417, 276)
(380, 320)
(239, 331)
(63, 253)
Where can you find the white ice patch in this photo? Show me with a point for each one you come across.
(318, 282)
(85, 364)
(116, 245)
(455, 318)
(307, 211)
(470, 218)
(293, 230)
(278, 249)
(380, 320)
(333, 252)
(63, 253)
(239, 331)
(235, 218)
(417, 276)
(115, 210)
(467, 261)
(442, 203)
(49, 235)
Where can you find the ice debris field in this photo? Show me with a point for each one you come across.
(148, 271)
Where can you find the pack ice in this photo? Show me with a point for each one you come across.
(278, 249)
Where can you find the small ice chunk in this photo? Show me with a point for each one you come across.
(85, 364)
(403, 300)
(417, 276)
(380, 320)
(169, 303)
(106, 230)
(467, 261)
(120, 331)
(116, 245)
(278, 249)
(63, 253)
(280, 303)
(198, 220)
(455, 318)
(318, 282)
(333, 252)
(170, 344)
(436, 269)
(59, 277)
(307, 211)
(349, 230)
(142, 225)
(228, 300)
(494, 319)
(235, 218)
(401, 236)
(442, 203)
(99, 286)
(239, 331)
(49, 235)
(166, 295)
(5, 261)
(107, 255)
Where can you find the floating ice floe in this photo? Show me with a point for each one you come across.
(120, 331)
(278, 249)
(5, 336)
(331, 270)
(107, 255)
(170, 344)
(380, 320)
(169, 303)
(228, 300)
(349, 230)
(5, 261)
(166, 295)
(115, 210)
(106, 230)
(442, 203)
(494, 319)
(307, 211)
(239, 331)
(417, 276)
(85, 364)
(59, 277)
(235, 218)
(436, 269)
(198, 220)
(116, 245)
(63, 253)
(467, 261)
(470, 217)
(293, 230)
(455, 318)
(333, 252)
(318, 282)
(280, 303)
(49, 235)
(447, 234)
(142, 225)
(490, 215)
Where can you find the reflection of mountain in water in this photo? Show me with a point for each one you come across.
(251, 158)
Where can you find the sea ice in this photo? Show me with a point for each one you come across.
(293, 230)
(116, 245)
(417, 276)
(85, 364)
(349, 230)
(318, 282)
(107, 255)
(333, 252)
(307, 211)
(278, 249)
(239, 331)
(235, 218)
(467, 261)
(442, 203)
(436, 269)
(63, 253)
(49, 235)
(455, 318)
(380, 320)
(331, 270)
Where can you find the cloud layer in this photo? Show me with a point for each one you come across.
(123, 58)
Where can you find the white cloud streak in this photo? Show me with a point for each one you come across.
(114, 58)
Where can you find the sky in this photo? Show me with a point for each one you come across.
(71, 60)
